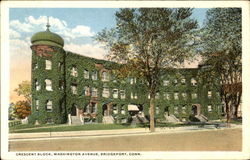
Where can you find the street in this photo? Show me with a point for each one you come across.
(214, 140)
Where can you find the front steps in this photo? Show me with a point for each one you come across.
(75, 120)
(107, 120)
(171, 119)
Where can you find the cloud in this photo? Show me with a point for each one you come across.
(32, 24)
(89, 50)
(14, 34)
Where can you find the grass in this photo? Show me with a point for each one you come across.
(62, 128)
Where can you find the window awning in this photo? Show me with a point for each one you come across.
(132, 107)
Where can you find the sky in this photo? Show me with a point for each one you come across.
(76, 26)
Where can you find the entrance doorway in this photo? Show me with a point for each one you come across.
(107, 109)
(196, 109)
(167, 111)
(73, 110)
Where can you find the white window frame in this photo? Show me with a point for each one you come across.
(176, 95)
(38, 86)
(94, 76)
(86, 91)
(37, 104)
(122, 94)
(105, 76)
(94, 92)
(193, 82)
(209, 108)
(165, 82)
(74, 72)
(194, 95)
(209, 94)
(48, 84)
(49, 105)
(48, 64)
(73, 89)
(85, 74)
(105, 92)
(115, 93)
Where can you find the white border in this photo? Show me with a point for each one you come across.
(5, 5)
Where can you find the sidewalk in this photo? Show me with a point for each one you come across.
(114, 132)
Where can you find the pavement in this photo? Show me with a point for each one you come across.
(115, 132)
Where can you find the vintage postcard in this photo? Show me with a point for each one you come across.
(125, 80)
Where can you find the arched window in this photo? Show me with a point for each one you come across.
(49, 105)
(48, 64)
(74, 72)
(48, 83)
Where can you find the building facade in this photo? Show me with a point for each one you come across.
(67, 87)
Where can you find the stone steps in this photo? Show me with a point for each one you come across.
(75, 120)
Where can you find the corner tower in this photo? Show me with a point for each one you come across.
(48, 78)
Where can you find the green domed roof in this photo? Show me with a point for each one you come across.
(47, 38)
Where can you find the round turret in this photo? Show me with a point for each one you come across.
(47, 38)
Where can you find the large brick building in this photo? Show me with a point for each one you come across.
(68, 87)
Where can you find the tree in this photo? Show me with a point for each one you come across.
(24, 89)
(148, 40)
(221, 49)
(22, 109)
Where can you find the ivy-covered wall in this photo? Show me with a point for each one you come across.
(63, 98)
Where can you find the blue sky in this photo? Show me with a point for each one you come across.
(77, 26)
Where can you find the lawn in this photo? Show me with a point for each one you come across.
(61, 128)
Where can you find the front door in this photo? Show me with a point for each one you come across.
(73, 110)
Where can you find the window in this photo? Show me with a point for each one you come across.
(105, 92)
(184, 95)
(61, 84)
(176, 110)
(157, 110)
(166, 96)
(94, 105)
(74, 72)
(132, 95)
(60, 66)
(122, 93)
(38, 87)
(115, 110)
(157, 96)
(209, 108)
(175, 81)
(183, 81)
(135, 96)
(123, 110)
(35, 65)
(48, 83)
(183, 109)
(148, 96)
(193, 82)
(94, 75)
(194, 95)
(87, 109)
(74, 89)
(48, 65)
(49, 105)
(105, 76)
(86, 74)
(165, 83)
(176, 96)
(115, 93)
(86, 91)
(131, 81)
(37, 104)
(209, 94)
(94, 92)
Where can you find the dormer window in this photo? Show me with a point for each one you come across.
(48, 65)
